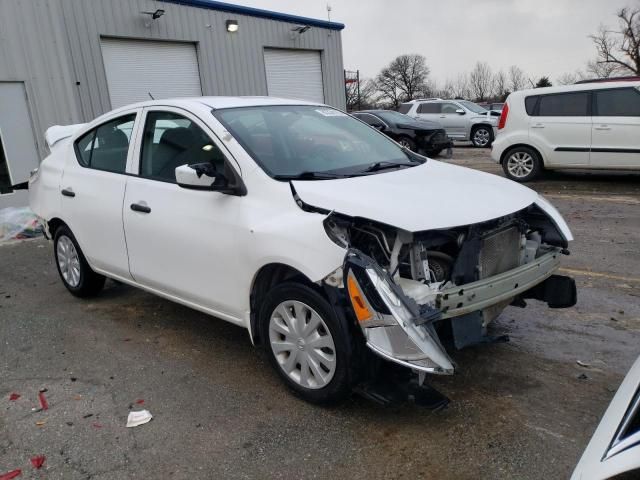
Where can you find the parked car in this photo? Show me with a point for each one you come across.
(462, 120)
(422, 136)
(614, 450)
(322, 237)
(583, 126)
(494, 108)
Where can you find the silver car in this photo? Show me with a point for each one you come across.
(462, 120)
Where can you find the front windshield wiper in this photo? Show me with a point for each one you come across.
(374, 167)
(309, 176)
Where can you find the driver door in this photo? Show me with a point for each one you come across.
(454, 123)
(181, 242)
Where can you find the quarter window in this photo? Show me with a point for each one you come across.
(107, 146)
(564, 105)
(530, 104)
(621, 102)
(429, 108)
(171, 140)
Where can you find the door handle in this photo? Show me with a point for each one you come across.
(137, 207)
(537, 125)
(67, 192)
(443, 116)
(602, 127)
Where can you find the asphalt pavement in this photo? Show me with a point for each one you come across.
(524, 409)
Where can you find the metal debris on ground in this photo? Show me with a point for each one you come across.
(139, 418)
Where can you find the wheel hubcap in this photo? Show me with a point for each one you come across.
(68, 261)
(481, 137)
(520, 164)
(302, 344)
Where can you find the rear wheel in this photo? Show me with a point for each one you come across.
(482, 136)
(522, 164)
(75, 272)
(308, 345)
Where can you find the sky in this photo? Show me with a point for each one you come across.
(543, 37)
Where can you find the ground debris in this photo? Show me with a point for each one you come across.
(139, 418)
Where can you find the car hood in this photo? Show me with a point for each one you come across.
(429, 196)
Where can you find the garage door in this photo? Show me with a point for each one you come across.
(294, 74)
(137, 68)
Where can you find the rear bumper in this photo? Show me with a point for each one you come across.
(402, 331)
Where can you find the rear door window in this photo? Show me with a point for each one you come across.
(564, 105)
(429, 108)
(619, 102)
(106, 147)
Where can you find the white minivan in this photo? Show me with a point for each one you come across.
(325, 239)
(582, 126)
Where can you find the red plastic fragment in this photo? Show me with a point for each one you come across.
(140, 401)
(97, 425)
(38, 461)
(43, 402)
(11, 474)
(14, 396)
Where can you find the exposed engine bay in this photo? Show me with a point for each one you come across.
(408, 288)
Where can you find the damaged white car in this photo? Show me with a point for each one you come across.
(322, 237)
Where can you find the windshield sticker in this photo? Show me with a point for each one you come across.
(330, 112)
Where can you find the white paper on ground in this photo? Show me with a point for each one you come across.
(138, 418)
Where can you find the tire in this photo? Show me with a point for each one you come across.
(434, 153)
(522, 164)
(482, 136)
(407, 143)
(323, 374)
(75, 272)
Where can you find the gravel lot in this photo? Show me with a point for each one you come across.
(518, 410)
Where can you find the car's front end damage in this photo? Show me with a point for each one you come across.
(411, 291)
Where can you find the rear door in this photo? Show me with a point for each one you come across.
(92, 192)
(616, 128)
(561, 128)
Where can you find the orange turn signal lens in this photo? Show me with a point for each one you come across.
(357, 300)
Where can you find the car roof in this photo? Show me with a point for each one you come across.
(580, 87)
(218, 102)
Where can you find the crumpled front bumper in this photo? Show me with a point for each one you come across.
(400, 330)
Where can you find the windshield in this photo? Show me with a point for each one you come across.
(394, 117)
(474, 107)
(301, 140)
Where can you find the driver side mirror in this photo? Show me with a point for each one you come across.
(460, 111)
(204, 176)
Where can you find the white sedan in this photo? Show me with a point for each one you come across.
(330, 243)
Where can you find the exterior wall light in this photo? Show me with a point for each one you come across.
(232, 26)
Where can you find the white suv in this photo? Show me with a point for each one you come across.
(325, 239)
(583, 126)
(461, 119)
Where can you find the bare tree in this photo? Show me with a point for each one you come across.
(517, 78)
(360, 93)
(480, 81)
(601, 70)
(621, 48)
(570, 78)
(500, 89)
(403, 79)
(461, 87)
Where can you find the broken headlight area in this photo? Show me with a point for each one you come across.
(409, 288)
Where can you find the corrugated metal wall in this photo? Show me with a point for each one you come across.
(53, 46)
(230, 64)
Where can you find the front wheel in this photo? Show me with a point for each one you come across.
(75, 272)
(522, 164)
(406, 142)
(308, 345)
(482, 136)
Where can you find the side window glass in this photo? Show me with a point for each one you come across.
(449, 108)
(370, 119)
(564, 105)
(171, 140)
(622, 102)
(530, 104)
(404, 108)
(106, 147)
(429, 108)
